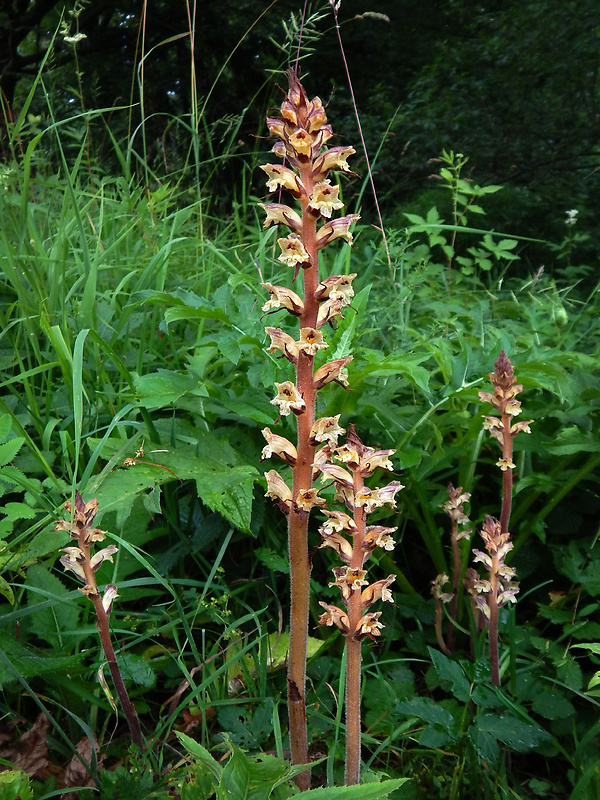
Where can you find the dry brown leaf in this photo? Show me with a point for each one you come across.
(30, 751)
(75, 773)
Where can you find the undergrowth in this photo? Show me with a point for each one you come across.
(134, 370)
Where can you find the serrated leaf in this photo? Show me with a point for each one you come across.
(163, 387)
(235, 781)
(449, 670)
(552, 705)
(8, 450)
(18, 659)
(50, 624)
(18, 511)
(364, 791)
(517, 735)
(204, 772)
(223, 487)
(15, 785)
(485, 743)
(441, 726)
(136, 669)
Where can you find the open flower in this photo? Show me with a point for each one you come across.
(293, 252)
(337, 521)
(377, 591)
(277, 214)
(337, 287)
(348, 580)
(288, 399)
(336, 229)
(326, 429)
(324, 198)
(311, 341)
(368, 625)
(378, 536)
(278, 175)
(309, 498)
(334, 158)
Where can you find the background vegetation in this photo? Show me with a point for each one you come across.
(133, 367)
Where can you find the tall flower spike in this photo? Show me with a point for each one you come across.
(302, 131)
(499, 588)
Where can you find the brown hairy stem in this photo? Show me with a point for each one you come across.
(298, 520)
(353, 650)
(127, 705)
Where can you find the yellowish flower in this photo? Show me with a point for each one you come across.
(325, 198)
(311, 341)
(280, 214)
(293, 252)
(288, 399)
(326, 429)
(278, 175)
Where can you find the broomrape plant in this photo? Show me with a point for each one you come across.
(80, 561)
(499, 589)
(487, 595)
(302, 131)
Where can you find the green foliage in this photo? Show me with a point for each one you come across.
(133, 368)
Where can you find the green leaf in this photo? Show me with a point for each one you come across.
(163, 387)
(18, 659)
(593, 647)
(485, 743)
(51, 624)
(235, 781)
(15, 785)
(223, 485)
(573, 440)
(449, 670)
(8, 450)
(517, 735)
(202, 755)
(6, 591)
(552, 705)
(136, 669)
(441, 728)
(364, 791)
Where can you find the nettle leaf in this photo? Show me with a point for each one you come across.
(18, 659)
(517, 735)
(552, 705)
(163, 387)
(573, 440)
(56, 624)
(8, 450)
(441, 727)
(449, 670)
(204, 772)
(485, 743)
(569, 672)
(136, 669)
(222, 484)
